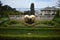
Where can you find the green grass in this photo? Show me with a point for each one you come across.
(35, 33)
(22, 24)
(38, 31)
(26, 35)
(29, 38)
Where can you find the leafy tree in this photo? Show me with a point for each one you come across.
(32, 9)
(7, 8)
(26, 12)
(58, 4)
(0, 4)
(0, 8)
(57, 15)
(14, 9)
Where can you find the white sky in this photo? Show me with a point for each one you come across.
(27, 3)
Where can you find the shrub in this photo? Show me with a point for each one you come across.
(57, 20)
(57, 25)
(13, 22)
(5, 25)
(49, 23)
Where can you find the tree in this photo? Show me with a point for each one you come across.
(58, 3)
(13, 9)
(0, 8)
(7, 8)
(0, 4)
(27, 13)
(32, 9)
(57, 14)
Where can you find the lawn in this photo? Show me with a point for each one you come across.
(30, 33)
(39, 30)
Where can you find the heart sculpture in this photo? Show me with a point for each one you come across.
(29, 19)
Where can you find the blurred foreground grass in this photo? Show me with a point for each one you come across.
(40, 30)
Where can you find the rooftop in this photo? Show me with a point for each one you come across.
(49, 8)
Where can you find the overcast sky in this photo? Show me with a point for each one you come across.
(27, 3)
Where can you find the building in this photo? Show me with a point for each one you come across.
(43, 14)
(48, 11)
